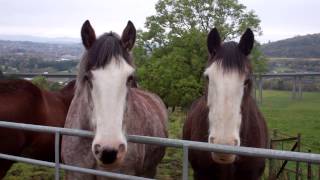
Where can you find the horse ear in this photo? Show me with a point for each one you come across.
(128, 36)
(246, 42)
(87, 34)
(213, 41)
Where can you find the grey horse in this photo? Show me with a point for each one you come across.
(107, 103)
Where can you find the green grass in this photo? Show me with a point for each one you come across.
(281, 112)
(294, 116)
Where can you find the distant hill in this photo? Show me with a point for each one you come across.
(25, 50)
(307, 46)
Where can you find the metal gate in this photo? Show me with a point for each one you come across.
(185, 145)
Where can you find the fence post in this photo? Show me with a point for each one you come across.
(300, 87)
(255, 87)
(57, 155)
(309, 177)
(298, 149)
(260, 89)
(271, 162)
(185, 162)
(294, 87)
(319, 172)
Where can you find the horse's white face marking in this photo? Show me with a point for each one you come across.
(225, 93)
(109, 91)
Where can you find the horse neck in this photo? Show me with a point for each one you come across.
(141, 109)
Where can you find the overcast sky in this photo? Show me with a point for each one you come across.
(63, 18)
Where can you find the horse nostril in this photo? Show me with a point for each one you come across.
(108, 156)
(96, 148)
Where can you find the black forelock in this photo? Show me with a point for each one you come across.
(104, 49)
(230, 57)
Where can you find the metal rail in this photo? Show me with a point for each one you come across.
(30, 75)
(186, 145)
(297, 89)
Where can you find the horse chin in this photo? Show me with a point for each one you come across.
(221, 158)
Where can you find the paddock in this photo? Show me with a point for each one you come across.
(182, 144)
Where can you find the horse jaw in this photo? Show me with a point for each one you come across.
(108, 94)
(225, 93)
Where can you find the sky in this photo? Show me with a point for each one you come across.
(280, 19)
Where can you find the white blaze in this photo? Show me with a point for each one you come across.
(225, 92)
(109, 93)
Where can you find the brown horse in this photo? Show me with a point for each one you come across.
(23, 102)
(107, 104)
(227, 114)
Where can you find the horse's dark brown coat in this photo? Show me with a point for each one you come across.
(253, 132)
(23, 102)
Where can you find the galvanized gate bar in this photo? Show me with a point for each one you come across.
(71, 168)
(102, 173)
(57, 155)
(185, 163)
(26, 160)
(245, 151)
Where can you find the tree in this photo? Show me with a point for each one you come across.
(41, 82)
(172, 53)
(258, 59)
(175, 17)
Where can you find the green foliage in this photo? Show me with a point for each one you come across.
(172, 53)
(41, 82)
(258, 60)
(54, 86)
(174, 18)
(174, 72)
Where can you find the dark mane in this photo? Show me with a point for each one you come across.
(104, 48)
(230, 58)
(100, 54)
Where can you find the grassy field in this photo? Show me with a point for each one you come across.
(282, 113)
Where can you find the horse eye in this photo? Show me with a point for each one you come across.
(129, 78)
(206, 77)
(246, 82)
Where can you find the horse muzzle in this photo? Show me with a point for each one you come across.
(222, 158)
(109, 156)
